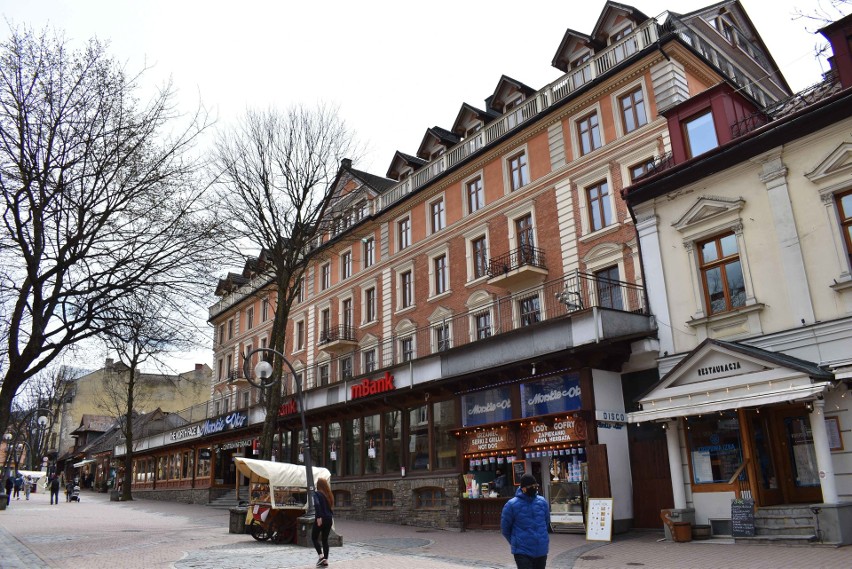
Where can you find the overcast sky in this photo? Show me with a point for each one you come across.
(394, 68)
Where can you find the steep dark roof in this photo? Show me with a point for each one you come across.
(378, 183)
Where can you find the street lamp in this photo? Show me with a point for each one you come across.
(264, 370)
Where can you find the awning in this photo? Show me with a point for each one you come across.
(84, 462)
(687, 408)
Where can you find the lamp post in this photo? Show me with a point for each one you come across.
(264, 370)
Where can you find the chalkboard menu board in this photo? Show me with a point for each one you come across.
(518, 468)
(742, 517)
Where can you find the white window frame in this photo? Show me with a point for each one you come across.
(341, 313)
(573, 122)
(469, 237)
(478, 303)
(507, 171)
(303, 321)
(369, 255)
(433, 256)
(404, 330)
(345, 264)
(620, 127)
(464, 190)
(372, 284)
(430, 220)
(584, 181)
(325, 271)
(517, 213)
(398, 272)
(398, 232)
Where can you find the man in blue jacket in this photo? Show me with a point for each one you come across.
(524, 524)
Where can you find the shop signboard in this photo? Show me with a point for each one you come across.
(483, 407)
(554, 394)
(560, 431)
(489, 440)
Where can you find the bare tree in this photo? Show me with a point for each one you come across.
(278, 172)
(143, 329)
(100, 199)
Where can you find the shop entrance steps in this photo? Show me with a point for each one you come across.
(787, 524)
(226, 500)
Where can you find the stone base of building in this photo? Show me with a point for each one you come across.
(184, 496)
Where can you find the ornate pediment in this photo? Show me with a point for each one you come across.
(838, 163)
(707, 208)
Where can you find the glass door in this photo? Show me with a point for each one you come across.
(798, 466)
(766, 480)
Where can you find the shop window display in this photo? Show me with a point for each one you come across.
(352, 441)
(418, 438)
(372, 442)
(334, 448)
(392, 440)
(715, 448)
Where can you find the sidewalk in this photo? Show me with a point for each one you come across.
(149, 534)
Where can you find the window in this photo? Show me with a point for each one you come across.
(264, 310)
(370, 360)
(346, 316)
(373, 442)
(581, 73)
(589, 133)
(475, 195)
(220, 375)
(445, 443)
(379, 498)
(404, 233)
(442, 337)
(392, 441)
(249, 318)
(325, 325)
(323, 374)
(483, 325)
(722, 274)
(342, 499)
(325, 276)
(641, 169)
(300, 335)
(406, 289)
(369, 252)
(525, 237)
(844, 209)
(633, 110)
(230, 329)
(609, 288)
(300, 290)
(370, 305)
(430, 498)
(418, 435)
(600, 210)
(221, 333)
(346, 265)
(440, 275)
(519, 175)
(714, 448)
(700, 134)
(479, 252)
(406, 349)
(229, 365)
(625, 49)
(529, 310)
(346, 367)
(438, 216)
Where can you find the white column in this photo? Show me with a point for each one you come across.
(823, 453)
(675, 464)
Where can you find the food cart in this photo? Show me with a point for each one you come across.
(278, 495)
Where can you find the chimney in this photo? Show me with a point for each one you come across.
(199, 367)
(108, 363)
(346, 163)
(839, 35)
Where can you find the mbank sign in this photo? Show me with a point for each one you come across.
(373, 386)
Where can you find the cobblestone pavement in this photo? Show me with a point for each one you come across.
(149, 534)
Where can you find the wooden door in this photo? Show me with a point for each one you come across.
(794, 448)
(764, 472)
(652, 479)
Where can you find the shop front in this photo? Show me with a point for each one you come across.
(546, 437)
(756, 427)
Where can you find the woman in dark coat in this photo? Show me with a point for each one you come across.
(324, 508)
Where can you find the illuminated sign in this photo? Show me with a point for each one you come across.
(373, 386)
(288, 408)
(235, 420)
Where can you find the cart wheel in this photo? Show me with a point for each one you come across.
(285, 533)
(259, 532)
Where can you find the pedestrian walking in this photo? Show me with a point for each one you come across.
(28, 485)
(54, 490)
(324, 508)
(19, 484)
(10, 485)
(524, 523)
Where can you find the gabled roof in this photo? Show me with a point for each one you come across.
(721, 376)
(436, 136)
(94, 424)
(507, 85)
(611, 10)
(377, 183)
(230, 283)
(472, 112)
(401, 161)
(561, 60)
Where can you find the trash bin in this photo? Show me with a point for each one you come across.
(238, 520)
(304, 524)
(678, 531)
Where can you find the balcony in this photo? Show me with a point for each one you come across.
(338, 339)
(521, 268)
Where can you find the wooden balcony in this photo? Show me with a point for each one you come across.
(338, 340)
(518, 269)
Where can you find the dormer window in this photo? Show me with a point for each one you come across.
(581, 73)
(515, 117)
(626, 48)
(700, 134)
